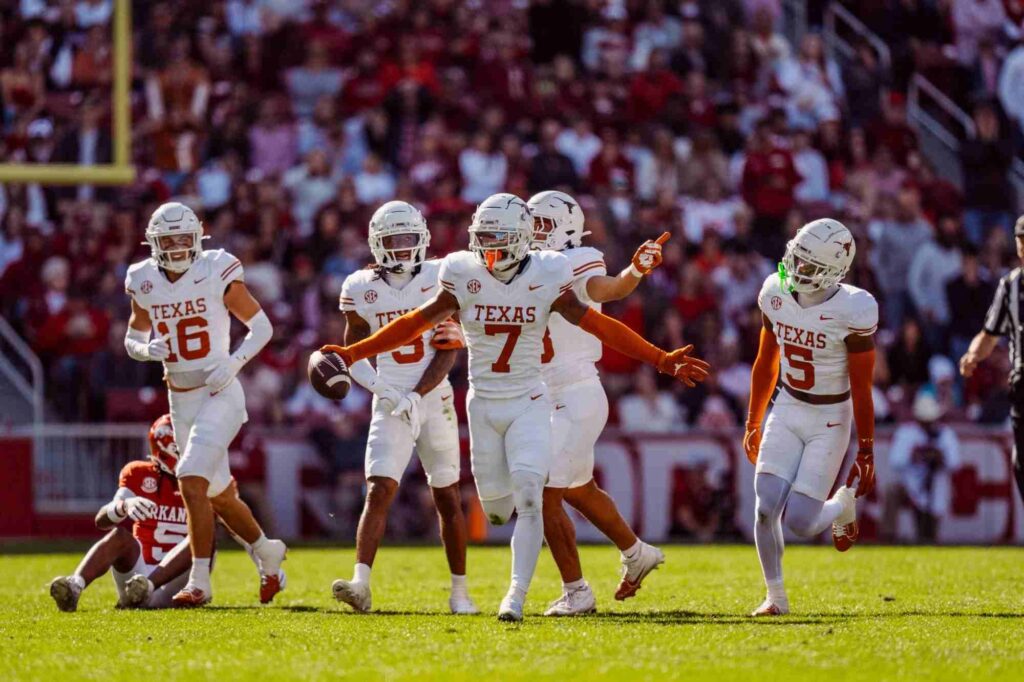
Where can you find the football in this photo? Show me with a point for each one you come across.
(328, 375)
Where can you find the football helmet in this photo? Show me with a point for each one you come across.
(174, 229)
(163, 449)
(398, 227)
(501, 231)
(818, 257)
(557, 221)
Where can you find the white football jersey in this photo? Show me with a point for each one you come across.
(576, 351)
(377, 302)
(505, 324)
(811, 340)
(189, 311)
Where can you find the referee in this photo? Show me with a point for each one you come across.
(1005, 317)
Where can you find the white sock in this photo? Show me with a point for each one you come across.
(79, 581)
(574, 585)
(527, 540)
(459, 584)
(361, 574)
(831, 510)
(634, 551)
(200, 575)
(260, 543)
(777, 591)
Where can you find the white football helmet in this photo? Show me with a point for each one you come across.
(389, 227)
(501, 231)
(557, 221)
(171, 222)
(818, 257)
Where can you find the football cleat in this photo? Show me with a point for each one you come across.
(462, 605)
(189, 597)
(271, 556)
(355, 594)
(511, 609)
(845, 529)
(65, 593)
(636, 569)
(271, 585)
(771, 608)
(574, 603)
(137, 590)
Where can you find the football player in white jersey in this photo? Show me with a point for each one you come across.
(187, 295)
(504, 295)
(581, 407)
(412, 404)
(821, 332)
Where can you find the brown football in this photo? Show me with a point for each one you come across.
(328, 375)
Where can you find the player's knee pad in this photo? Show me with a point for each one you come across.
(528, 491)
(499, 510)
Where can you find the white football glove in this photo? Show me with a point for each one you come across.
(139, 508)
(222, 374)
(158, 349)
(387, 395)
(408, 410)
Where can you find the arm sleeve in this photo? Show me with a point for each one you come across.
(763, 376)
(583, 272)
(862, 369)
(389, 337)
(998, 316)
(616, 335)
(864, 320)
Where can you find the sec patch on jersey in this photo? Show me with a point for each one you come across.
(328, 375)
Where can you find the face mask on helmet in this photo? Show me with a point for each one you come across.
(543, 227)
(498, 249)
(175, 237)
(162, 447)
(800, 273)
(399, 252)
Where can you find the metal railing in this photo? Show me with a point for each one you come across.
(840, 23)
(940, 125)
(30, 387)
(75, 466)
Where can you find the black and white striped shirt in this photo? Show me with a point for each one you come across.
(1004, 318)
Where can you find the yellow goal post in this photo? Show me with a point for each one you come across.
(121, 171)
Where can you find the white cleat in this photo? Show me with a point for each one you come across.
(137, 591)
(574, 603)
(635, 570)
(771, 608)
(355, 594)
(462, 605)
(845, 530)
(65, 593)
(511, 609)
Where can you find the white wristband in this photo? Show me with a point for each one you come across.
(636, 273)
(112, 513)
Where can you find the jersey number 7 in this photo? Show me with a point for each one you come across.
(501, 365)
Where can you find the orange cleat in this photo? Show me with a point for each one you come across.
(190, 597)
(270, 585)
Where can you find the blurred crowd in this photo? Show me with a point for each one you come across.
(284, 123)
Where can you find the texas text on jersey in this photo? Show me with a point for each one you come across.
(369, 296)
(158, 535)
(811, 340)
(189, 312)
(505, 324)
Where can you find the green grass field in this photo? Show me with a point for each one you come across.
(872, 614)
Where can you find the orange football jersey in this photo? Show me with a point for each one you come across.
(161, 533)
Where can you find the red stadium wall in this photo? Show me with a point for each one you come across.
(651, 478)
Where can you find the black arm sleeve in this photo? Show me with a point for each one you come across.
(997, 320)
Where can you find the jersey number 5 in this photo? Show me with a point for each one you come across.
(193, 341)
(414, 354)
(800, 358)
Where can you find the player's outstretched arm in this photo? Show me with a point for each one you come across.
(357, 329)
(604, 288)
(763, 376)
(981, 347)
(399, 331)
(613, 333)
(861, 359)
